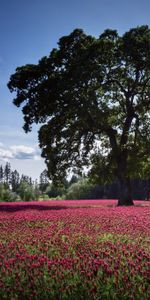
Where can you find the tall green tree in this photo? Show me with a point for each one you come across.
(15, 180)
(26, 179)
(44, 181)
(1, 174)
(26, 191)
(93, 97)
(7, 173)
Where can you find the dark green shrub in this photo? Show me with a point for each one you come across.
(26, 192)
(7, 195)
(55, 191)
(80, 190)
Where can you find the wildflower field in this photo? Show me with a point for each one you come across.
(87, 249)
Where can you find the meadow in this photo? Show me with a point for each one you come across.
(74, 249)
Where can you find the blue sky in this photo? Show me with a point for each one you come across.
(29, 30)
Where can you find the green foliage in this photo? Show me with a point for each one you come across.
(7, 173)
(55, 191)
(26, 192)
(93, 96)
(7, 195)
(81, 189)
(43, 197)
(103, 170)
(44, 181)
(14, 188)
(15, 179)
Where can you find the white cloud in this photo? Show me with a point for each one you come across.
(5, 154)
(22, 152)
(18, 152)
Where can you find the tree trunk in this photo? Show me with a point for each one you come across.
(125, 191)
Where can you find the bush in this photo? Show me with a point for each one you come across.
(7, 195)
(26, 192)
(80, 190)
(53, 192)
(43, 197)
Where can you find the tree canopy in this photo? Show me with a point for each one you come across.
(92, 97)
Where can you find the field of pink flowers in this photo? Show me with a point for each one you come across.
(87, 249)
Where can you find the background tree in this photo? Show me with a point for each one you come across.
(7, 173)
(26, 191)
(1, 174)
(27, 179)
(36, 190)
(15, 180)
(90, 90)
(6, 194)
(82, 189)
(44, 181)
(55, 191)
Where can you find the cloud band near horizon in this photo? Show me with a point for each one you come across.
(18, 152)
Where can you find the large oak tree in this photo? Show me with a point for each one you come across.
(92, 97)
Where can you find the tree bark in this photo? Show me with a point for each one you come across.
(125, 191)
(120, 154)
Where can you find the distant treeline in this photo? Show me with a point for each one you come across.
(140, 190)
(83, 189)
(16, 187)
(13, 178)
